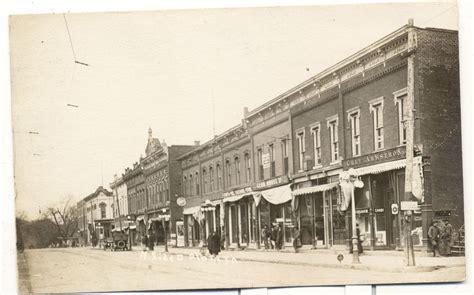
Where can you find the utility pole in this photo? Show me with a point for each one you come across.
(409, 125)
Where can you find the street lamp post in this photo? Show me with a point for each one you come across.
(164, 218)
(354, 182)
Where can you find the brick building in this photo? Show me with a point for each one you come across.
(162, 175)
(352, 116)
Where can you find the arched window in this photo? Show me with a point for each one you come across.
(228, 174)
(211, 179)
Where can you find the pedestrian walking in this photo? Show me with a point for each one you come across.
(433, 237)
(151, 242)
(296, 240)
(277, 237)
(265, 236)
(144, 242)
(214, 244)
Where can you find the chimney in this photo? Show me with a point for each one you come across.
(246, 111)
(197, 142)
(410, 22)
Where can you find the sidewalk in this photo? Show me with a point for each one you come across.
(375, 261)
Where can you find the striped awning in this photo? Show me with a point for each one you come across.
(315, 189)
(384, 167)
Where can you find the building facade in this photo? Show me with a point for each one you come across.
(392, 103)
(120, 201)
(162, 176)
(98, 215)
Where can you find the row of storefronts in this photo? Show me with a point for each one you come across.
(282, 165)
(314, 208)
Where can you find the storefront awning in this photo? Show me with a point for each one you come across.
(417, 179)
(277, 195)
(384, 167)
(237, 197)
(191, 210)
(314, 189)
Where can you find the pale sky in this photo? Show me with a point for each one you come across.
(163, 70)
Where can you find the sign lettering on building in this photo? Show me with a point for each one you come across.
(272, 182)
(375, 158)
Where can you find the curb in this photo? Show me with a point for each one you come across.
(411, 269)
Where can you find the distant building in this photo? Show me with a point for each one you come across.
(120, 203)
(99, 214)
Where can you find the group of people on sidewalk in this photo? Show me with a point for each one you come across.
(148, 242)
(440, 237)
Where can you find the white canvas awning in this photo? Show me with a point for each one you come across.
(315, 189)
(237, 197)
(277, 195)
(191, 210)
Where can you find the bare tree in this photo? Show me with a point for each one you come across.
(64, 217)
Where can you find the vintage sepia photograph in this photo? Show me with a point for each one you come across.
(234, 148)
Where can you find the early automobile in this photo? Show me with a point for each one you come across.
(118, 241)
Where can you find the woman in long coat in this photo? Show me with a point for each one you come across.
(214, 244)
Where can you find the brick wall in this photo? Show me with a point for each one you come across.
(438, 101)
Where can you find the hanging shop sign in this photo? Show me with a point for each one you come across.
(394, 209)
(362, 211)
(442, 213)
(409, 206)
(375, 158)
(181, 201)
(379, 210)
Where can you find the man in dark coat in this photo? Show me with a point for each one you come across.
(433, 237)
(214, 244)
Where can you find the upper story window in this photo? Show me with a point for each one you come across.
(196, 179)
(400, 97)
(228, 174)
(260, 163)
(204, 180)
(219, 176)
(316, 135)
(284, 151)
(376, 108)
(237, 170)
(271, 153)
(333, 123)
(185, 185)
(353, 115)
(103, 212)
(248, 167)
(191, 185)
(301, 148)
(211, 179)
